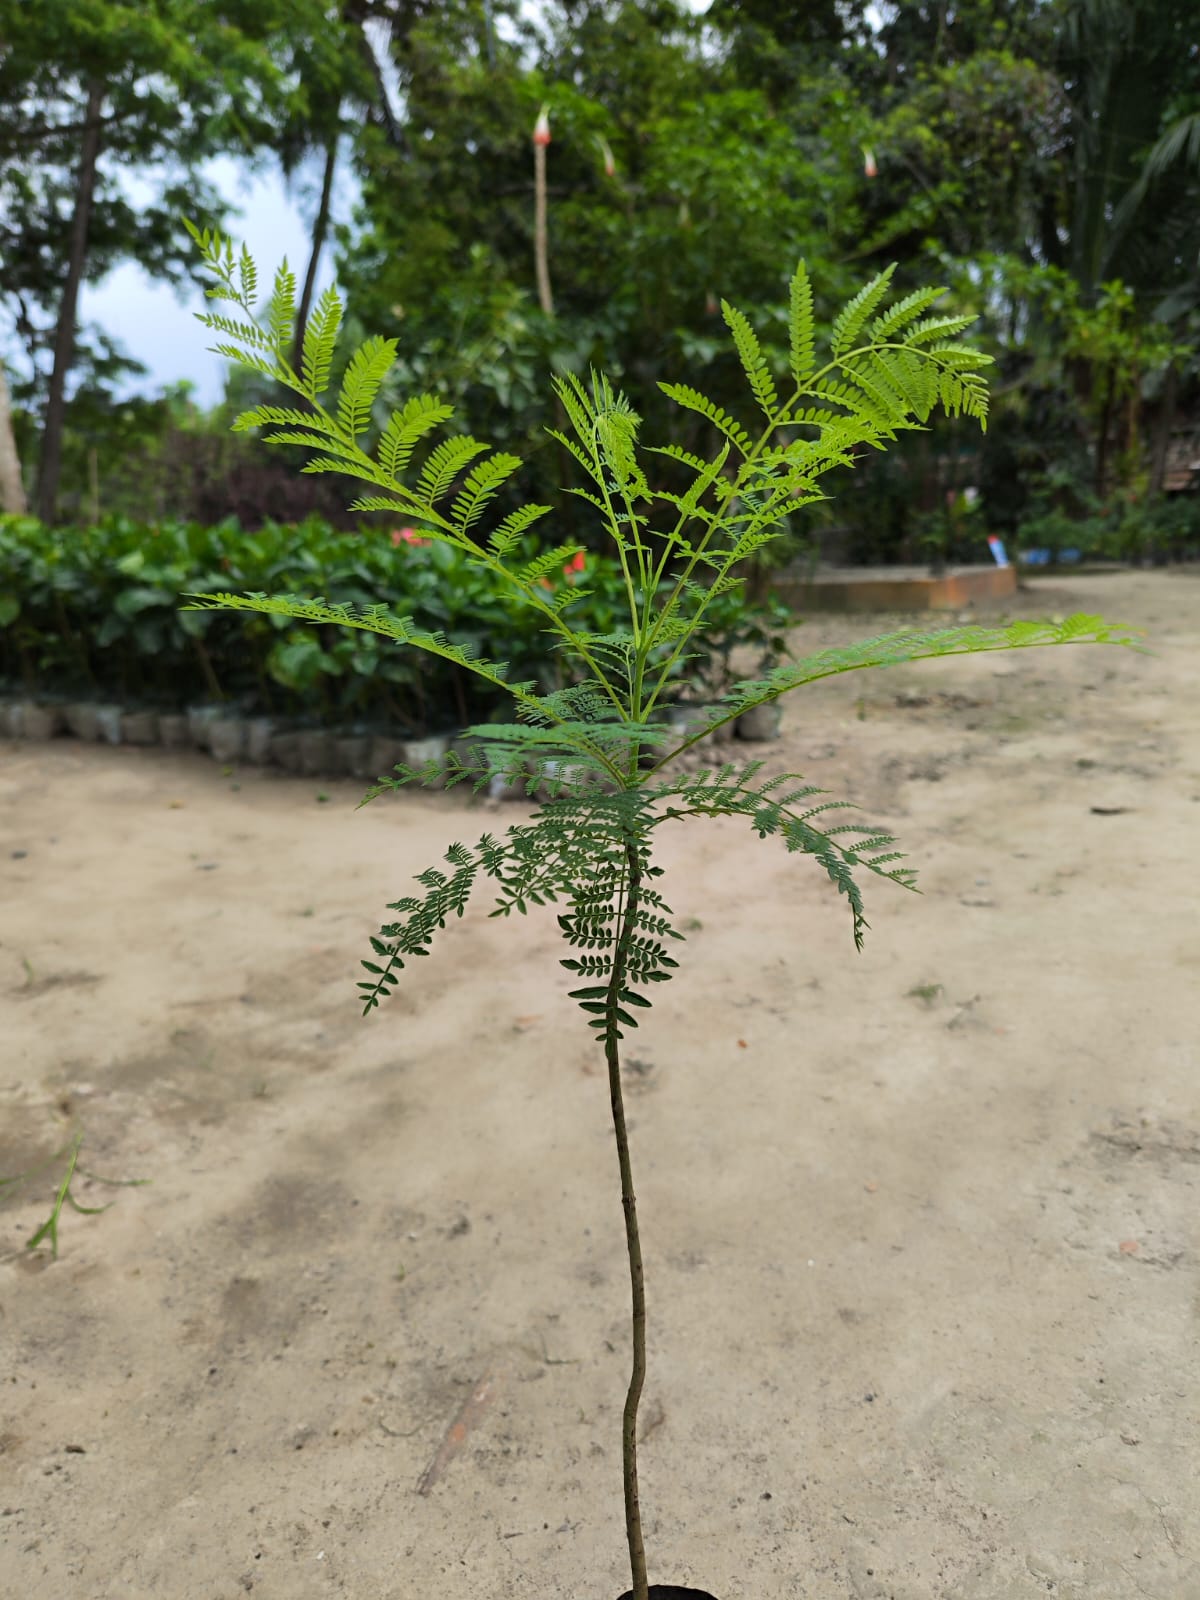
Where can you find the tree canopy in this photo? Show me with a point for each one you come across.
(1042, 156)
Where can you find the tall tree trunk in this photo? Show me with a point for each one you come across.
(320, 229)
(1162, 430)
(12, 490)
(381, 110)
(64, 337)
(1102, 433)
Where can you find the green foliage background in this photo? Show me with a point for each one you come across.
(1042, 157)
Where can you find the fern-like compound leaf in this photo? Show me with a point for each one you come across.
(281, 314)
(405, 428)
(509, 533)
(734, 792)
(444, 463)
(801, 326)
(546, 561)
(932, 328)
(890, 322)
(481, 487)
(369, 366)
(852, 318)
(317, 441)
(248, 358)
(290, 416)
(320, 339)
(247, 277)
(247, 333)
(754, 363)
(589, 752)
(371, 619)
(893, 649)
(684, 395)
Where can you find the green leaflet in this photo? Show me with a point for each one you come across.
(683, 394)
(406, 428)
(851, 320)
(801, 327)
(903, 312)
(320, 341)
(508, 533)
(369, 366)
(481, 487)
(753, 362)
(444, 463)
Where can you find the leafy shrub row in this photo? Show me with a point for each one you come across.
(1128, 528)
(96, 612)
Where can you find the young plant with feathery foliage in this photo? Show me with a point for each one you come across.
(595, 746)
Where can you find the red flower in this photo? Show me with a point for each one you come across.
(577, 563)
(408, 536)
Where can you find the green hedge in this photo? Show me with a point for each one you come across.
(1129, 528)
(96, 613)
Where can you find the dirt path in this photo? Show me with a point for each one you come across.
(920, 1224)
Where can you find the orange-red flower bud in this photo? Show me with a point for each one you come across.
(541, 128)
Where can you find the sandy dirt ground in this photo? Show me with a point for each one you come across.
(920, 1224)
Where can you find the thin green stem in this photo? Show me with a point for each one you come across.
(780, 419)
(206, 666)
(718, 524)
(619, 541)
(633, 1513)
(643, 569)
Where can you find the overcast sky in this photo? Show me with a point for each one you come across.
(152, 323)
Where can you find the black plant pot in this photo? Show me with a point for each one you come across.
(672, 1591)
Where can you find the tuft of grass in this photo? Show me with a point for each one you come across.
(48, 1232)
(928, 992)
